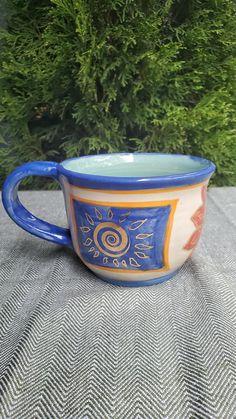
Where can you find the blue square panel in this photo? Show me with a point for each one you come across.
(122, 238)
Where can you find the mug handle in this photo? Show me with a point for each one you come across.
(21, 215)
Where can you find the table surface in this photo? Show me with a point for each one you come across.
(72, 346)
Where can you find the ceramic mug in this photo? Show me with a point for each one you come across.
(133, 219)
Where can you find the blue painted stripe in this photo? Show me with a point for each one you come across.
(135, 183)
(139, 283)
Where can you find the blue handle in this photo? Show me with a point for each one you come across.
(19, 213)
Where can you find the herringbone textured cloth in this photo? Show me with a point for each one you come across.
(73, 347)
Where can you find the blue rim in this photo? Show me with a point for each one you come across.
(130, 183)
(139, 283)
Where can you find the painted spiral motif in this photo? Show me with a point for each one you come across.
(111, 239)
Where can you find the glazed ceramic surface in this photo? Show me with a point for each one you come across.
(134, 219)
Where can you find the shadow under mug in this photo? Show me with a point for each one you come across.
(134, 218)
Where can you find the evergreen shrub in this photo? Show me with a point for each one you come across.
(90, 76)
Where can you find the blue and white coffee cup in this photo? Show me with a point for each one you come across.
(133, 219)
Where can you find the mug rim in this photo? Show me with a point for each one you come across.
(93, 181)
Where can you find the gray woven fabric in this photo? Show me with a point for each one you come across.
(72, 346)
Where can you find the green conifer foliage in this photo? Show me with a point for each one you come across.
(90, 76)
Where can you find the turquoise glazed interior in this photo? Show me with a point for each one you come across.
(136, 165)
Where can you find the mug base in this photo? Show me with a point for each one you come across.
(139, 283)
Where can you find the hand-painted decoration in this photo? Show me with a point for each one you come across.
(197, 219)
(123, 238)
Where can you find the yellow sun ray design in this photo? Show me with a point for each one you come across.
(141, 255)
(88, 241)
(124, 217)
(98, 214)
(129, 260)
(142, 236)
(134, 262)
(85, 229)
(143, 246)
(89, 218)
(137, 224)
(110, 214)
(110, 238)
